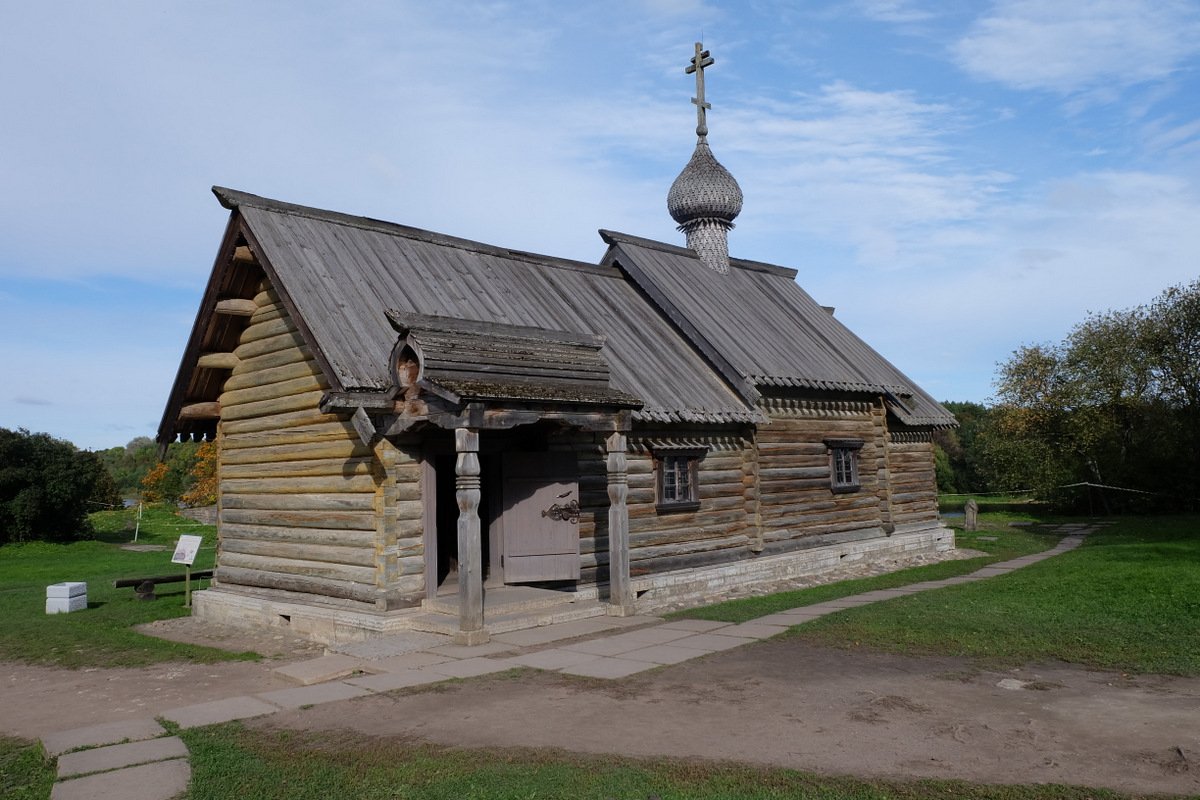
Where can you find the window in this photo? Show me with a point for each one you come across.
(678, 471)
(843, 464)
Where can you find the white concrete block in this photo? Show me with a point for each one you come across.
(65, 605)
(67, 589)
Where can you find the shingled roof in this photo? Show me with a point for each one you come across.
(762, 330)
(690, 350)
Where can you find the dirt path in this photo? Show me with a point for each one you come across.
(781, 702)
(785, 703)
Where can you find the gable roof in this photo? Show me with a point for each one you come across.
(760, 328)
(340, 275)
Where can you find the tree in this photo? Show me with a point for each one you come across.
(170, 479)
(47, 487)
(204, 477)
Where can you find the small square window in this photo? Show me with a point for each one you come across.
(843, 464)
(677, 474)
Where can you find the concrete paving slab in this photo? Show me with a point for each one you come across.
(491, 648)
(313, 695)
(754, 630)
(610, 646)
(405, 662)
(319, 670)
(394, 645)
(397, 679)
(470, 667)
(115, 756)
(219, 711)
(711, 642)
(655, 635)
(158, 781)
(609, 668)
(699, 625)
(554, 659)
(532, 637)
(785, 619)
(665, 654)
(131, 730)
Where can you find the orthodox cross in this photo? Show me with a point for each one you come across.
(701, 60)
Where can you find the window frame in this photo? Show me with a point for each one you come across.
(690, 458)
(848, 449)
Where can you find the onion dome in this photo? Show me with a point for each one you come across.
(704, 190)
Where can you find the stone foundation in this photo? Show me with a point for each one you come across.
(669, 590)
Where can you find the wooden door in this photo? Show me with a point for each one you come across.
(540, 517)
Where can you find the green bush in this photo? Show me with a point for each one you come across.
(47, 487)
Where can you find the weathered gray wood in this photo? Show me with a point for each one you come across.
(330, 536)
(305, 467)
(353, 556)
(289, 566)
(304, 401)
(621, 599)
(206, 410)
(470, 557)
(218, 361)
(334, 520)
(306, 383)
(296, 583)
(321, 485)
(235, 307)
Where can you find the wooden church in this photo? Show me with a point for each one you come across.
(423, 432)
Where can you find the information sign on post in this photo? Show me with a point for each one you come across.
(185, 553)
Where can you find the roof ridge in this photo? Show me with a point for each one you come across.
(616, 237)
(233, 198)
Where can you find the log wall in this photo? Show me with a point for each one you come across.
(794, 470)
(914, 483)
(305, 506)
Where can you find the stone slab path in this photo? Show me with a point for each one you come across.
(139, 760)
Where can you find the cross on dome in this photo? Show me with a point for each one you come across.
(699, 61)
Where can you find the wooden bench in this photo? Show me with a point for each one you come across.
(145, 586)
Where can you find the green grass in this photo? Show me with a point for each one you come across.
(1128, 599)
(25, 771)
(102, 635)
(230, 761)
(1009, 543)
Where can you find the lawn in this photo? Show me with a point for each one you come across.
(1128, 599)
(230, 761)
(995, 538)
(102, 635)
(25, 772)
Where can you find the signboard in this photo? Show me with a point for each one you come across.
(185, 549)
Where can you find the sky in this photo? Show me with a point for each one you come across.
(958, 179)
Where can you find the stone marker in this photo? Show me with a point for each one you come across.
(63, 598)
(971, 512)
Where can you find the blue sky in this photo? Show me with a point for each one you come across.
(956, 178)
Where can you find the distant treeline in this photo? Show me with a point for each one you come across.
(1116, 403)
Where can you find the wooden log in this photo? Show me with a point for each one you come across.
(271, 344)
(296, 583)
(335, 449)
(276, 358)
(264, 408)
(321, 484)
(270, 391)
(309, 569)
(271, 533)
(244, 254)
(302, 468)
(247, 379)
(235, 307)
(206, 410)
(329, 429)
(352, 556)
(302, 502)
(345, 520)
(217, 361)
(265, 330)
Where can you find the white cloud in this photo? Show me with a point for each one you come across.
(1072, 46)
(892, 11)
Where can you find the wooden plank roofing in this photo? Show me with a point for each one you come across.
(765, 329)
(342, 274)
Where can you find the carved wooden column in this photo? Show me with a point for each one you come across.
(470, 558)
(621, 600)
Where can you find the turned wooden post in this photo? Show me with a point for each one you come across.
(620, 593)
(470, 557)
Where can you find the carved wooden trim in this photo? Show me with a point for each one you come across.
(911, 437)
(803, 407)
